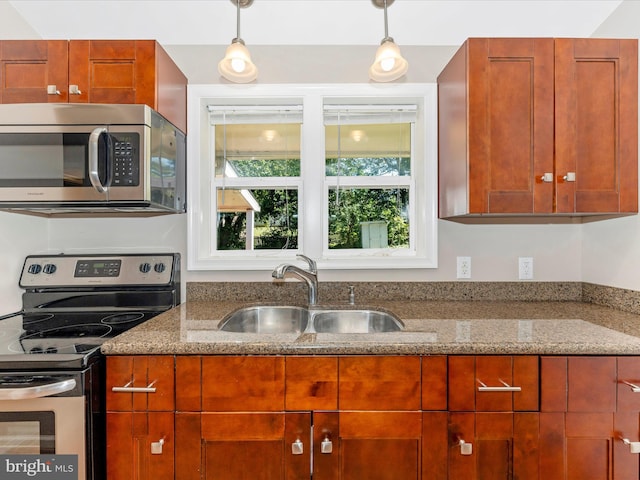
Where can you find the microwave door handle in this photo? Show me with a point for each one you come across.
(27, 393)
(94, 176)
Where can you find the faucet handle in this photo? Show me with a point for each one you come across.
(312, 264)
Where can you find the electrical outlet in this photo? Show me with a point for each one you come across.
(464, 267)
(525, 268)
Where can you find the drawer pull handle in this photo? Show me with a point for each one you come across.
(634, 388)
(505, 388)
(634, 447)
(128, 388)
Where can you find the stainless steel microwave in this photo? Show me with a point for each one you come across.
(79, 159)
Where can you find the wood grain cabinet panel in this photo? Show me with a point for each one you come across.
(539, 126)
(127, 373)
(379, 383)
(140, 423)
(28, 67)
(493, 383)
(587, 408)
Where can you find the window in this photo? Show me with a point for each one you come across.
(257, 177)
(345, 175)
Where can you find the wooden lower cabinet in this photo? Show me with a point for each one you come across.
(346, 445)
(588, 407)
(374, 418)
(480, 445)
(234, 446)
(140, 445)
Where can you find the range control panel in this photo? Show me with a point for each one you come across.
(50, 271)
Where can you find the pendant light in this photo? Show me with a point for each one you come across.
(389, 65)
(236, 66)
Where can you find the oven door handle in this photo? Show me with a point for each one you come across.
(27, 393)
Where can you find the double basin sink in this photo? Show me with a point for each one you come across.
(293, 319)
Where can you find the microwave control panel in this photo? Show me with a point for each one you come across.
(126, 160)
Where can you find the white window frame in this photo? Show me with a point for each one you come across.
(312, 197)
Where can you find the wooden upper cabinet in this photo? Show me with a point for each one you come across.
(28, 68)
(596, 125)
(539, 127)
(94, 71)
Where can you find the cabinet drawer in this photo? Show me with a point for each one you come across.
(235, 384)
(493, 383)
(379, 383)
(140, 383)
(590, 384)
(311, 383)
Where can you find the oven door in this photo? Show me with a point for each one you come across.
(41, 415)
(71, 164)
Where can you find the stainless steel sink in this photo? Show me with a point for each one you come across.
(355, 321)
(290, 319)
(267, 319)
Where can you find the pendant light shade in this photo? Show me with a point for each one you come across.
(389, 64)
(236, 66)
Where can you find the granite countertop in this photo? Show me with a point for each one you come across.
(431, 327)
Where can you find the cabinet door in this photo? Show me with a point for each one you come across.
(493, 446)
(510, 125)
(140, 383)
(371, 445)
(140, 445)
(233, 446)
(28, 67)
(596, 92)
(113, 71)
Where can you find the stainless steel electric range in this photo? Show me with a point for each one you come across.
(52, 394)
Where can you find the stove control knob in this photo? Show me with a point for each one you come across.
(34, 269)
(145, 267)
(49, 268)
(159, 267)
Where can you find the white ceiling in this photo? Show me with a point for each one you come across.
(312, 22)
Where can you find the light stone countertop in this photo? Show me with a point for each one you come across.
(431, 327)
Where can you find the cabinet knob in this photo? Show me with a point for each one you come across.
(52, 90)
(634, 447)
(156, 447)
(570, 177)
(297, 447)
(465, 448)
(547, 177)
(326, 446)
(74, 90)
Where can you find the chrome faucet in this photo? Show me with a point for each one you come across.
(310, 276)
